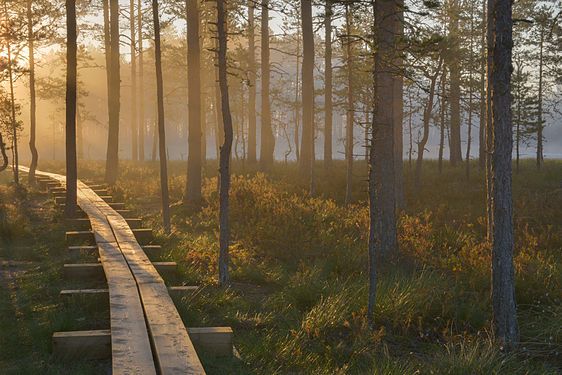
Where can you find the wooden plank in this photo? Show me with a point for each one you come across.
(96, 270)
(152, 251)
(176, 290)
(82, 345)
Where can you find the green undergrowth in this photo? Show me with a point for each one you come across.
(297, 302)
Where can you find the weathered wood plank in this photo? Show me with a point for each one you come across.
(214, 339)
(96, 270)
(82, 344)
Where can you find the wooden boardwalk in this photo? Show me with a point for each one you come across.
(147, 335)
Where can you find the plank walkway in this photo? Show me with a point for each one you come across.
(147, 333)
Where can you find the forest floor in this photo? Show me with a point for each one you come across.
(299, 268)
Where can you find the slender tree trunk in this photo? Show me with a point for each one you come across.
(442, 109)
(226, 148)
(267, 140)
(482, 130)
(219, 126)
(426, 120)
(519, 72)
(71, 69)
(112, 161)
(195, 136)
(540, 152)
(252, 137)
(489, 134)
(411, 141)
(382, 195)
(350, 109)
(13, 120)
(398, 109)
(470, 89)
(454, 100)
(79, 131)
(328, 87)
(5, 160)
(161, 123)
(307, 140)
(503, 279)
(142, 123)
(32, 99)
(297, 93)
(134, 124)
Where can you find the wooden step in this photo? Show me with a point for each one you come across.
(61, 199)
(95, 270)
(117, 206)
(152, 251)
(83, 224)
(97, 344)
(143, 236)
(173, 290)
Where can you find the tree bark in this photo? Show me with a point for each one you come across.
(252, 139)
(350, 109)
(455, 136)
(307, 139)
(13, 120)
(442, 110)
(195, 136)
(398, 109)
(142, 123)
(71, 72)
(540, 152)
(503, 280)
(226, 148)
(382, 194)
(328, 87)
(267, 140)
(32, 96)
(112, 160)
(482, 122)
(134, 124)
(5, 160)
(489, 134)
(426, 119)
(161, 123)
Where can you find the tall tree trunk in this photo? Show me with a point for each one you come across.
(442, 112)
(297, 92)
(71, 69)
(519, 72)
(13, 120)
(195, 136)
(161, 124)
(267, 140)
(112, 160)
(470, 89)
(540, 152)
(426, 120)
(382, 195)
(219, 126)
(398, 109)
(350, 108)
(482, 122)
(455, 137)
(142, 123)
(5, 160)
(489, 134)
(252, 138)
(503, 280)
(32, 99)
(226, 148)
(134, 124)
(411, 141)
(328, 87)
(79, 130)
(307, 140)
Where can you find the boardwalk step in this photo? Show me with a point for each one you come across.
(95, 270)
(94, 292)
(61, 199)
(152, 251)
(97, 344)
(143, 236)
(83, 224)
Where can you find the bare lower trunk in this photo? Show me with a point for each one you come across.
(442, 110)
(307, 139)
(161, 123)
(194, 167)
(141, 119)
(350, 110)
(328, 102)
(489, 135)
(252, 137)
(382, 195)
(13, 120)
(426, 119)
(540, 152)
(226, 148)
(398, 110)
(5, 160)
(482, 122)
(134, 124)
(112, 161)
(267, 140)
(71, 164)
(32, 98)
(503, 279)
(455, 88)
